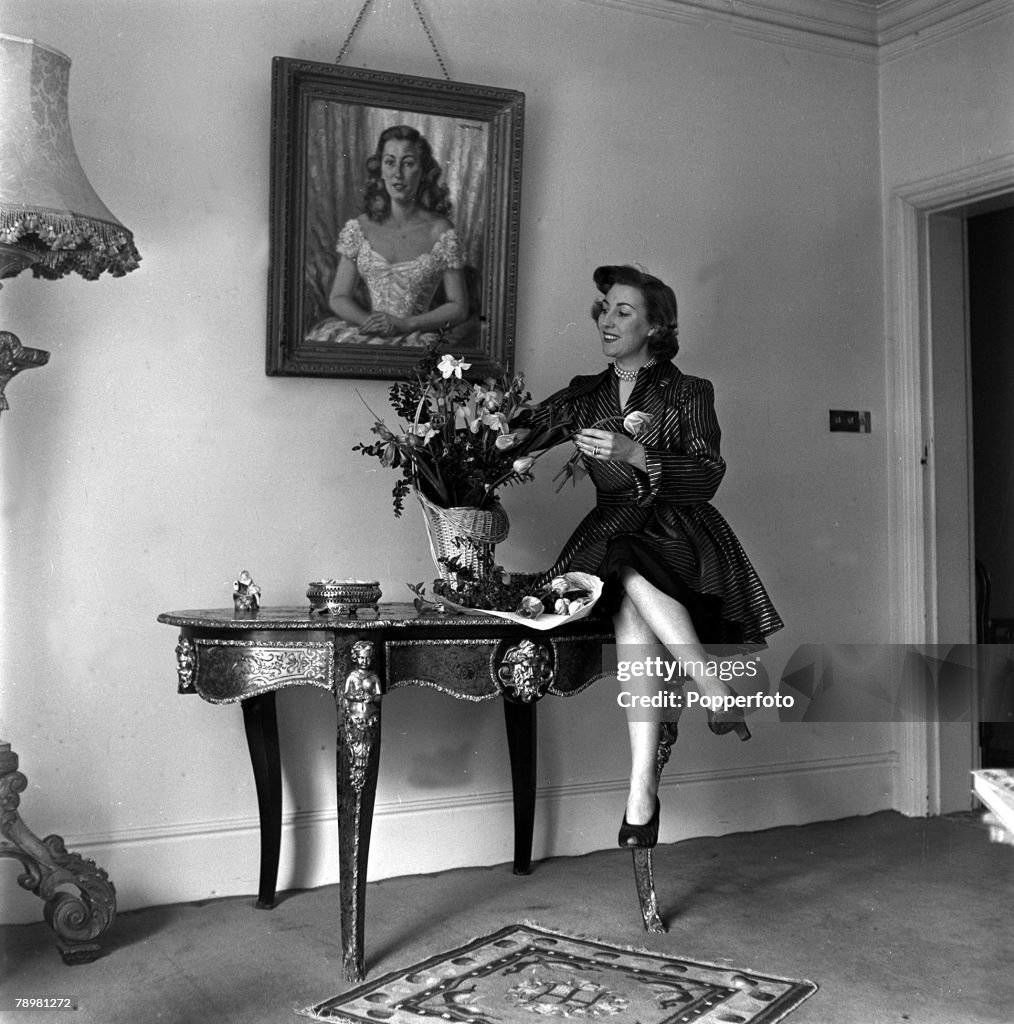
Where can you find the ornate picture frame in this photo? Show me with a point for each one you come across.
(326, 121)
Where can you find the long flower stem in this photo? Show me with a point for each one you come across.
(436, 482)
(569, 468)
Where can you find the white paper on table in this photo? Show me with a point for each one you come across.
(585, 581)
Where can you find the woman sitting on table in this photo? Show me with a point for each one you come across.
(403, 248)
(674, 572)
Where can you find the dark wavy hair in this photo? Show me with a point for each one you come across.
(659, 302)
(433, 194)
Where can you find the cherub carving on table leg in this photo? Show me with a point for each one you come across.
(358, 762)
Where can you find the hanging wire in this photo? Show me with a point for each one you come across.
(422, 20)
(355, 26)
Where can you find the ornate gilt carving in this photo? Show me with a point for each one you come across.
(460, 668)
(361, 713)
(524, 671)
(644, 877)
(77, 919)
(15, 357)
(229, 670)
(669, 735)
(358, 759)
(185, 664)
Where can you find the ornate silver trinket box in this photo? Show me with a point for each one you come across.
(342, 597)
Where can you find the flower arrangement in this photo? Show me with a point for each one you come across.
(459, 441)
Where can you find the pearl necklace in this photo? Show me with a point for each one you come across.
(629, 375)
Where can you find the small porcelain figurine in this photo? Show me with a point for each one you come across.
(246, 595)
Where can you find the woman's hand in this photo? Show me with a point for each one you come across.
(384, 325)
(605, 446)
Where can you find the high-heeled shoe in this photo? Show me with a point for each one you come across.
(633, 837)
(722, 722)
(728, 720)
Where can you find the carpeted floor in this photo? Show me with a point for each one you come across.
(895, 919)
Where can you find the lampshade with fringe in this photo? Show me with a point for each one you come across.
(50, 216)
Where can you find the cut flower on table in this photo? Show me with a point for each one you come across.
(525, 598)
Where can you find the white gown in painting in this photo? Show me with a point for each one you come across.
(401, 289)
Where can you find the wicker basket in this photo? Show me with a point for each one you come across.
(469, 534)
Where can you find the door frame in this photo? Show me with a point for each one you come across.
(910, 498)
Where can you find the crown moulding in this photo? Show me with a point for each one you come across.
(873, 28)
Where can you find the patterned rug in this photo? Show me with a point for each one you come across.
(522, 973)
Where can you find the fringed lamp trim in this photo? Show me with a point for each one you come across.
(64, 243)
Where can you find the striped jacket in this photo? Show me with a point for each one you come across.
(669, 505)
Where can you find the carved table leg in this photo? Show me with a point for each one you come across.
(358, 764)
(644, 878)
(522, 671)
(260, 718)
(522, 727)
(77, 920)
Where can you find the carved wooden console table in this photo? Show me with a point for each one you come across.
(228, 657)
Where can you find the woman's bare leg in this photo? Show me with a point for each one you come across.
(644, 725)
(670, 622)
(648, 618)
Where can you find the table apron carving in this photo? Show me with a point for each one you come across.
(523, 670)
(226, 671)
(467, 669)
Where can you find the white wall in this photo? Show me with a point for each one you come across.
(153, 459)
(946, 104)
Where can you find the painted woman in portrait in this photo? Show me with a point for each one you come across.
(400, 277)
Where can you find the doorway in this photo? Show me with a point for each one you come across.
(932, 536)
(969, 429)
(990, 248)
(967, 424)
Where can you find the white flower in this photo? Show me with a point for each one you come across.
(423, 430)
(505, 441)
(451, 367)
(530, 607)
(489, 398)
(636, 423)
(464, 420)
(562, 606)
(523, 464)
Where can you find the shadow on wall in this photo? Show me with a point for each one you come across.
(430, 741)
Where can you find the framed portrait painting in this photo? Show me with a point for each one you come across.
(394, 203)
